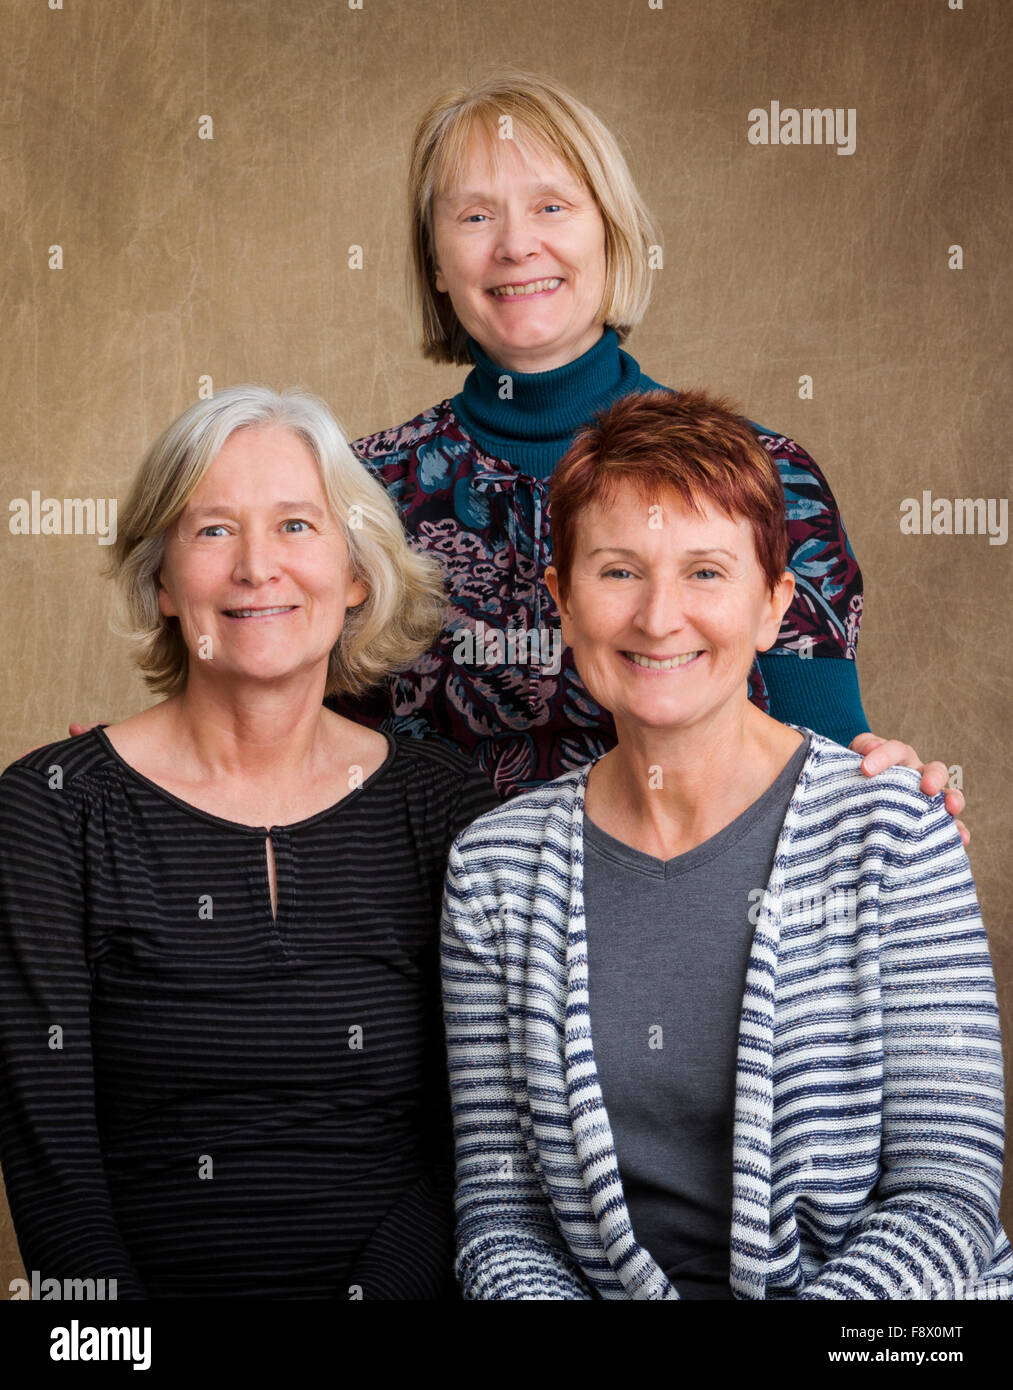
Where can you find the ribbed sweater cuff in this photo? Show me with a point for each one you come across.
(517, 1268)
(820, 693)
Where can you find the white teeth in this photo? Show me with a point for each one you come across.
(536, 286)
(256, 612)
(668, 665)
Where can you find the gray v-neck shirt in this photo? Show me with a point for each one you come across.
(668, 944)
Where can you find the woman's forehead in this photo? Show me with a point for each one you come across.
(257, 457)
(484, 159)
(266, 441)
(630, 508)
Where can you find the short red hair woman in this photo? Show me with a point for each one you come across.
(720, 1011)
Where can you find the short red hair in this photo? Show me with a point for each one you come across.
(685, 442)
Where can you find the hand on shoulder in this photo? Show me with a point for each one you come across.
(880, 753)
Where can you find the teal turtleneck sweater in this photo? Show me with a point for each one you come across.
(534, 425)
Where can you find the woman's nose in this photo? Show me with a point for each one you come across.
(662, 610)
(516, 240)
(256, 560)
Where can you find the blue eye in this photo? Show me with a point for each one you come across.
(474, 216)
(215, 526)
(296, 521)
(549, 207)
(617, 570)
(714, 573)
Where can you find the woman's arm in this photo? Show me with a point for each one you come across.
(473, 797)
(508, 1245)
(468, 795)
(410, 1253)
(935, 1228)
(49, 1142)
(811, 673)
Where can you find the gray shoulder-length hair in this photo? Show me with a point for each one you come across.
(405, 607)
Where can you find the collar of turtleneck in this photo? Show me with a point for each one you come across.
(529, 418)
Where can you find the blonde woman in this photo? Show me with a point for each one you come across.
(530, 264)
(221, 1062)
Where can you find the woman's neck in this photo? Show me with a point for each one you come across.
(251, 730)
(667, 791)
(529, 418)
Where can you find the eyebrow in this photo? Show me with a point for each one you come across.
(309, 507)
(635, 554)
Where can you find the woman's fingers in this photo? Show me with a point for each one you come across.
(935, 776)
(888, 752)
(880, 753)
(865, 743)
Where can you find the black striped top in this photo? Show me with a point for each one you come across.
(196, 1099)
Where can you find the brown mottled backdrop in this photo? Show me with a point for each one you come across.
(228, 258)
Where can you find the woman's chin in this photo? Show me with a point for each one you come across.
(667, 716)
(534, 337)
(252, 674)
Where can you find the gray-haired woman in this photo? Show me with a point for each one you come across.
(221, 1062)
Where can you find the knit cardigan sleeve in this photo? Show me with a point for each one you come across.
(508, 1244)
(936, 1224)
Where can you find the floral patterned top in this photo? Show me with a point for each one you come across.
(497, 683)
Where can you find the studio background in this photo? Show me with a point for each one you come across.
(228, 258)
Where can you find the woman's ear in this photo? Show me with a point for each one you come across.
(165, 604)
(357, 594)
(552, 584)
(775, 607)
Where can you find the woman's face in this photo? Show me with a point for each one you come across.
(661, 583)
(521, 254)
(257, 569)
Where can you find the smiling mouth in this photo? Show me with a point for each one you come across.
(257, 612)
(668, 663)
(523, 291)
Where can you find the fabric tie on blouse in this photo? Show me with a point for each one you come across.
(504, 480)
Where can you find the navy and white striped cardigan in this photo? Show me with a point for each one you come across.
(868, 1132)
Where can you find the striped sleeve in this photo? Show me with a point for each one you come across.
(508, 1245)
(476, 797)
(49, 1143)
(417, 1215)
(936, 1223)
